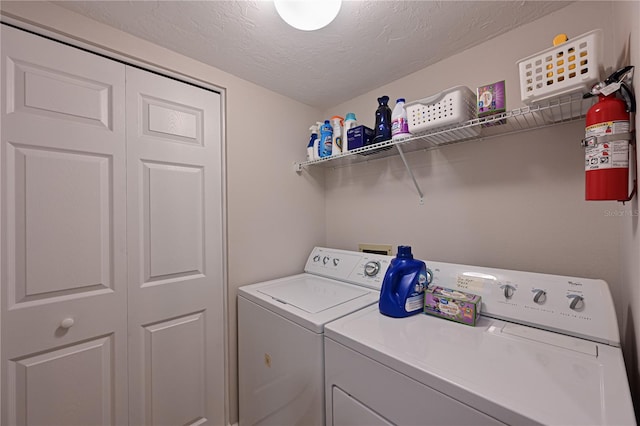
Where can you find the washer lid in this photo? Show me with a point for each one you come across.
(309, 300)
(311, 294)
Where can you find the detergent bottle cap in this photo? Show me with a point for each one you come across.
(400, 100)
(314, 128)
(404, 252)
(350, 116)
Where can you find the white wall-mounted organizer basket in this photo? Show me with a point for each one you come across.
(564, 70)
(445, 109)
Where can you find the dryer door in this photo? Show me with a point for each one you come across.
(349, 411)
(382, 391)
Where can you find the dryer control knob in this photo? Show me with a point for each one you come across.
(325, 260)
(336, 261)
(540, 297)
(372, 268)
(316, 258)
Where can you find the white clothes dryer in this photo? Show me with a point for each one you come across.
(546, 350)
(280, 334)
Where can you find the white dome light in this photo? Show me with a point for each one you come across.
(308, 15)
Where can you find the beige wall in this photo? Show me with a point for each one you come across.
(514, 202)
(627, 48)
(274, 216)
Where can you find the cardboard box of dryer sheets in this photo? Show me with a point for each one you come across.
(453, 305)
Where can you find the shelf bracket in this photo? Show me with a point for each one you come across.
(415, 182)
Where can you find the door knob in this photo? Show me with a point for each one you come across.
(67, 323)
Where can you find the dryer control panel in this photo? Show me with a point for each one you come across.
(580, 307)
(365, 269)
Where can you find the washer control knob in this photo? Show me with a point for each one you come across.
(325, 260)
(540, 297)
(316, 258)
(372, 268)
(577, 302)
(508, 291)
(336, 261)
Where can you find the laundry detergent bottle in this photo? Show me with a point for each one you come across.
(403, 286)
(383, 121)
(399, 122)
(337, 135)
(349, 123)
(326, 139)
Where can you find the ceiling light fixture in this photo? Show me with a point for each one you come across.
(308, 15)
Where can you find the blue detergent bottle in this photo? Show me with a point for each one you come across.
(383, 121)
(326, 139)
(403, 286)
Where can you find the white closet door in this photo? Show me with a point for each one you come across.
(63, 295)
(174, 225)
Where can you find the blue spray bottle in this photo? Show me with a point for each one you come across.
(403, 286)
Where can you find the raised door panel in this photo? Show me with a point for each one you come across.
(63, 253)
(67, 386)
(176, 299)
(47, 183)
(173, 215)
(175, 354)
(50, 92)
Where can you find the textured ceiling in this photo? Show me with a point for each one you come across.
(369, 44)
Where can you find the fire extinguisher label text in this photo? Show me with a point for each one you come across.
(610, 154)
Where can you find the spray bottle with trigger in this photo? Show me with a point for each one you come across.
(312, 146)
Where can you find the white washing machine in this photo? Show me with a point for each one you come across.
(545, 351)
(280, 334)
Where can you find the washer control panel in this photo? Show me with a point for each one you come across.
(581, 307)
(365, 269)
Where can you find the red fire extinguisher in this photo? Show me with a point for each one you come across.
(607, 139)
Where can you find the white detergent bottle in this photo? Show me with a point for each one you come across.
(336, 123)
(349, 123)
(399, 123)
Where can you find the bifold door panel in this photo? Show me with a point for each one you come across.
(64, 282)
(174, 232)
(112, 291)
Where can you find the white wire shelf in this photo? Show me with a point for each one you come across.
(550, 113)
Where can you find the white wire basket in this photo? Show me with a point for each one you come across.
(570, 68)
(445, 109)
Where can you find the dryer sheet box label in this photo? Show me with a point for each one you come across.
(454, 305)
